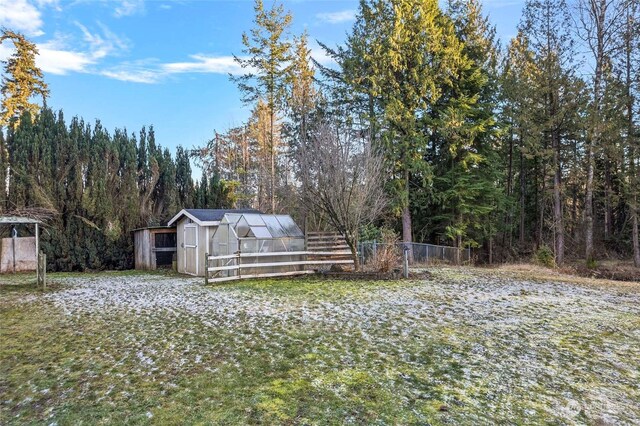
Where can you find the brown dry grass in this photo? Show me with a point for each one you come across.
(566, 274)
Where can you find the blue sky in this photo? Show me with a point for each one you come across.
(131, 63)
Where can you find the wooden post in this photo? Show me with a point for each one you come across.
(14, 235)
(238, 263)
(405, 262)
(37, 239)
(41, 269)
(44, 271)
(206, 269)
(37, 253)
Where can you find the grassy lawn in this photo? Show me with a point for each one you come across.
(466, 346)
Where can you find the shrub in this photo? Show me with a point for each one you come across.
(388, 254)
(544, 256)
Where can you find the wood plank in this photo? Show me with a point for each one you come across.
(284, 253)
(223, 268)
(228, 256)
(296, 263)
(341, 247)
(277, 264)
(269, 275)
(331, 253)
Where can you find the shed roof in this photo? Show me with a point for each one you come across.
(154, 227)
(207, 217)
(17, 220)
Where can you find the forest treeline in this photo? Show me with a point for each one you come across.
(92, 188)
(515, 149)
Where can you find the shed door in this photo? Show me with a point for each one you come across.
(191, 249)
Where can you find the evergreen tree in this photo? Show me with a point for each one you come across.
(269, 58)
(22, 80)
(184, 180)
(4, 164)
(464, 137)
(556, 90)
(413, 52)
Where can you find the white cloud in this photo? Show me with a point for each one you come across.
(54, 59)
(128, 8)
(337, 17)
(141, 71)
(57, 57)
(101, 45)
(58, 61)
(150, 71)
(133, 76)
(205, 64)
(22, 16)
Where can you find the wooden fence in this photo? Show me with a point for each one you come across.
(238, 264)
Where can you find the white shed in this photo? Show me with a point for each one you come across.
(195, 228)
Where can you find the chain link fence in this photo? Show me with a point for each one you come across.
(420, 254)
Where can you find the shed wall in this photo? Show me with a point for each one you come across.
(180, 243)
(26, 259)
(203, 242)
(142, 249)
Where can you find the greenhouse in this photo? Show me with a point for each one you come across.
(252, 237)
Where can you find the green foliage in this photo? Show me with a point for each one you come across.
(370, 232)
(22, 79)
(97, 187)
(544, 256)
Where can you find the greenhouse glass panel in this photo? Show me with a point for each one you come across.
(242, 228)
(296, 244)
(289, 226)
(265, 246)
(254, 219)
(231, 218)
(274, 227)
(220, 241)
(260, 232)
(249, 245)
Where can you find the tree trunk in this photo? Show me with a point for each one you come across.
(509, 213)
(635, 238)
(598, 10)
(273, 163)
(557, 204)
(406, 219)
(353, 246)
(633, 181)
(588, 207)
(523, 188)
(608, 211)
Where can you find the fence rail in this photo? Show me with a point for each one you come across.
(421, 254)
(248, 265)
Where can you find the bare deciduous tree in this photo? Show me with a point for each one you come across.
(344, 181)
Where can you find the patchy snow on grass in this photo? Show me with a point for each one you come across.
(483, 347)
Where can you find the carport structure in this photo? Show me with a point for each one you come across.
(20, 253)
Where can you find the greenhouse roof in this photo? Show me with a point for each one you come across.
(254, 225)
(207, 217)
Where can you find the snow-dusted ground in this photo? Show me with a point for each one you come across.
(488, 348)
